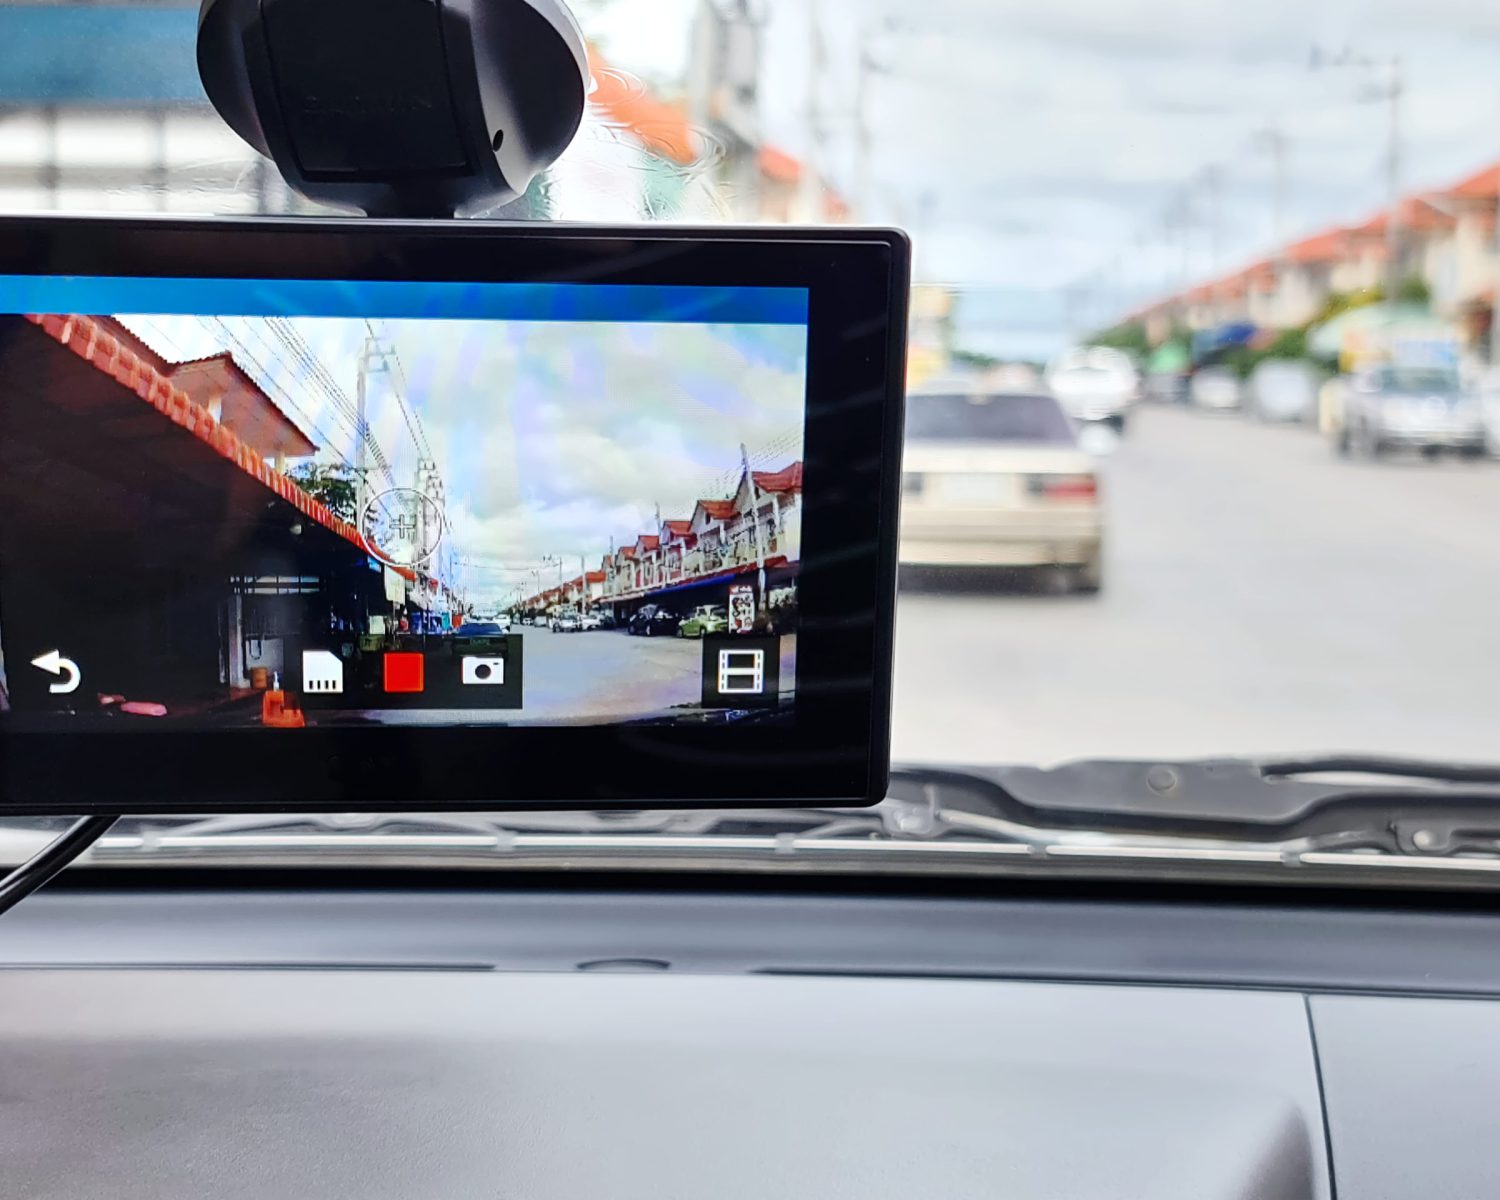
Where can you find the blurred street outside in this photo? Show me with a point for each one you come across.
(1263, 596)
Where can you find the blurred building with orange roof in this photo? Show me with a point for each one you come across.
(1448, 251)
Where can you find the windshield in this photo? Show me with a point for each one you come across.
(1109, 204)
(1395, 379)
(986, 418)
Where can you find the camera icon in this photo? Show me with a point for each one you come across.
(480, 671)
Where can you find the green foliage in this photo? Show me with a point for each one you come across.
(973, 358)
(333, 485)
(1289, 343)
(1413, 290)
(1337, 303)
(1131, 336)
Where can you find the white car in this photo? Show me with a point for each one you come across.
(998, 479)
(1216, 388)
(1095, 384)
(589, 621)
(1283, 389)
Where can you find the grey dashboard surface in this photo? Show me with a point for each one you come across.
(172, 1083)
(174, 1043)
(1412, 1086)
(1265, 946)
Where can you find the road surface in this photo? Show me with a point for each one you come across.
(1261, 597)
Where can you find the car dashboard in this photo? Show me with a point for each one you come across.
(450, 1040)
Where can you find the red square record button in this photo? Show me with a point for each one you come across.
(403, 672)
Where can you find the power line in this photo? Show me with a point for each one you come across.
(773, 452)
(216, 329)
(293, 341)
(408, 414)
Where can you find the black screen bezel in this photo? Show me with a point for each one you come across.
(836, 750)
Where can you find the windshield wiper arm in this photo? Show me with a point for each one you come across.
(1233, 798)
(1377, 764)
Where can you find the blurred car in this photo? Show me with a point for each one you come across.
(652, 621)
(706, 618)
(1283, 389)
(567, 622)
(1013, 377)
(1095, 383)
(1165, 387)
(1421, 408)
(998, 479)
(1487, 388)
(589, 621)
(1216, 388)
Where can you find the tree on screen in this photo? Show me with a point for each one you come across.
(332, 484)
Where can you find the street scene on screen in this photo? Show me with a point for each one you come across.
(285, 522)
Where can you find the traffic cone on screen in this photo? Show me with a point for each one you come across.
(276, 712)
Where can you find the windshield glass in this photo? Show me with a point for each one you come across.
(1119, 211)
(1397, 380)
(987, 418)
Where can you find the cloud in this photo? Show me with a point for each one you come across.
(552, 438)
(1030, 144)
(557, 438)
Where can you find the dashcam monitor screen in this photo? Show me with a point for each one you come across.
(233, 503)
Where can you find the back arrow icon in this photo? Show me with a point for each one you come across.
(55, 664)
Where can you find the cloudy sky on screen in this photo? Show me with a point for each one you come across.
(552, 437)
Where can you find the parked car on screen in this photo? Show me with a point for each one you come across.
(653, 621)
(1419, 408)
(481, 629)
(998, 479)
(566, 622)
(1284, 389)
(1216, 388)
(589, 621)
(706, 618)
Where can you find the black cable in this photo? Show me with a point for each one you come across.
(52, 858)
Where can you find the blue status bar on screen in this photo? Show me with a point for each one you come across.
(108, 295)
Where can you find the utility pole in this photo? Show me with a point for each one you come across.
(1178, 220)
(1494, 331)
(359, 432)
(817, 66)
(760, 550)
(1274, 141)
(862, 127)
(557, 561)
(1213, 186)
(1393, 184)
(1391, 93)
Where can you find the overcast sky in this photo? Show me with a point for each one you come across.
(552, 437)
(1031, 146)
